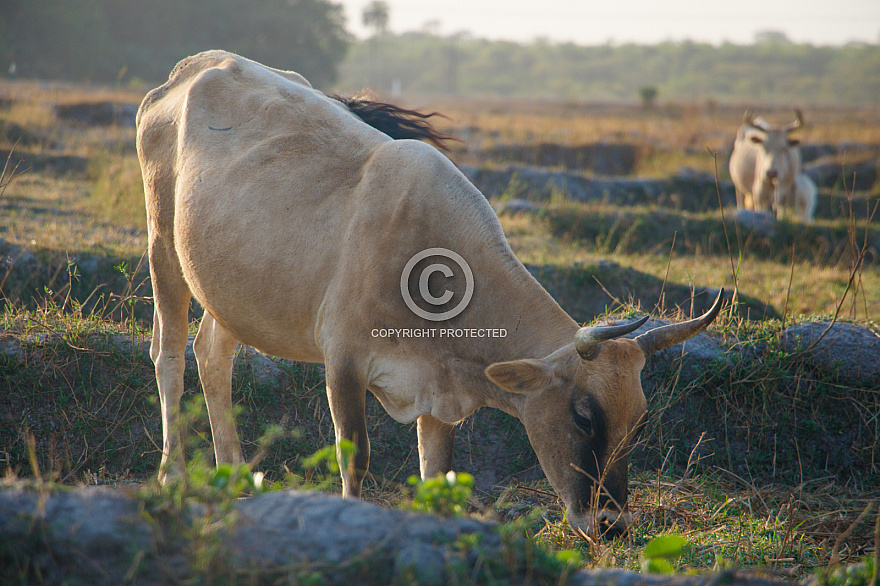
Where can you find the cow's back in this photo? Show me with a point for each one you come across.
(249, 176)
(280, 205)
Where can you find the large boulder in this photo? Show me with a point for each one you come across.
(97, 535)
(852, 351)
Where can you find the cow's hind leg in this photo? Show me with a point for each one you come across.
(347, 393)
(215, 349)
(170, 327)
(435, 446)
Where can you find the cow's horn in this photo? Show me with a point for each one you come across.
(666, 336)
(756, 123)
(587, 340)
(798, 121)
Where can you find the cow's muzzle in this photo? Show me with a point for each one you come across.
(607, 523)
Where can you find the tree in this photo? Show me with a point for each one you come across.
(771, 38)
(376, 16)
(96, 39)
(648, 94)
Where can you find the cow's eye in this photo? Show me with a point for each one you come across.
(583, 422)
(793, 142)
(756, 139)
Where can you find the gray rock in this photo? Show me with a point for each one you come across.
(99, 113)
(88, 265)
(513, 207)
(854, 351)
(853, 175)
(695, 192)
(91, 533)
(99, 535)
(761, 223)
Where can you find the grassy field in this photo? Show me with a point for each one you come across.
(79, 401)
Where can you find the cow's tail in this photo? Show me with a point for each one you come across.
(396, 122)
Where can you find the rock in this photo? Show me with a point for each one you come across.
(265, 368)
(41, 162)
(689, 174)
(99, 535)
(692, 355)
(761, 223)
(513, 207)
(18, 135)
(829, 172)
(88, 265)
(853, 351)
(696, 193)
(99, 113)
(27, 258)
(87, 534)
(599, 158)
(812, 151)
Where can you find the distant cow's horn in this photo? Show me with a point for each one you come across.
(666, 336)
(587, 340)
(749, 119)
(756, 123)
(798, 121)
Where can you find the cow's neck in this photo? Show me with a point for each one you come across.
(534, 325)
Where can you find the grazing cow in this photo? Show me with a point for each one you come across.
(296, 225)
(765, 165)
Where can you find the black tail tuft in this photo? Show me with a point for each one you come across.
(396, 122)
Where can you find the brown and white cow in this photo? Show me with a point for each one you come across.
(295, 225)
(765, 167)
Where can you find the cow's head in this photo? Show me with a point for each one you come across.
(779, 162)
(582, 406)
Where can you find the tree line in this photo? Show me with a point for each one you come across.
(121, 40)
(773, 70)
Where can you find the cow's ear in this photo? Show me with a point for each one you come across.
(793, 142)
(521, 376)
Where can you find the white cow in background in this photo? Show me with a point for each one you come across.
(765, 167)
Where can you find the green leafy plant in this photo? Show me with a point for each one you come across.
(327, 455)
(861, 574)
(445, 495)
(660, 551)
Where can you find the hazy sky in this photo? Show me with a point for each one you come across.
(589, 22)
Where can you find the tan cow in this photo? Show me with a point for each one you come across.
(295, 225)
(765, 167)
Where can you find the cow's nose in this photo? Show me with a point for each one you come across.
(614, 524)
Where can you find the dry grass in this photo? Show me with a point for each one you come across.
(729, 523)
(673, 126)
(671, 136)
(59, 92)
(809, 287)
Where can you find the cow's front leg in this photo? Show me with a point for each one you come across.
(347, 395)
(435, 446)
